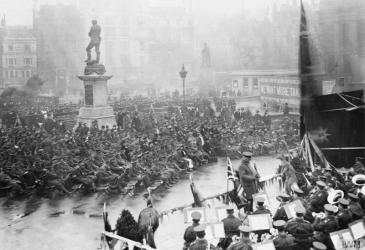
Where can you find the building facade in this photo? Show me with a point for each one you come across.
(275, 88)
(18, 55)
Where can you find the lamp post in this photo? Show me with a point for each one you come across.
(183, 74)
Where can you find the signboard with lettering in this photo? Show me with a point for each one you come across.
(89, 98)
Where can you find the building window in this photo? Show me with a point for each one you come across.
(235, 84)
(11, 74)
(23, 74)
(10, 47)
(27, 48)
(11, 61)
(245, 82)
(255, 84)
(28, 73)
(28, 61)
(6, 73)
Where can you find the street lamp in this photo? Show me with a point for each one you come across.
(183, 74)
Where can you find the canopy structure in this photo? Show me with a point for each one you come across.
(336, 123)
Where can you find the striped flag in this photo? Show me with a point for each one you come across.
(230, 172)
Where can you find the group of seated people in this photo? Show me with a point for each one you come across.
(317, 217)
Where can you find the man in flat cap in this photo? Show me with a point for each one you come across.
(326, 225)
(231, 223)
(283, 241)
(190, 234)
(355, 207)
(244, 243)
(344, 216)
(249, 178)
(200, 243)
(319, 198)
(280, 213)
(301, 229)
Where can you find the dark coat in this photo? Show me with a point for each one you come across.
(231, 225)
(249, 185)
(284, 241)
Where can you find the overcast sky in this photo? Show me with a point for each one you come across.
(19, 12)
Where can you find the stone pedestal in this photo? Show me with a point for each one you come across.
(96, 102)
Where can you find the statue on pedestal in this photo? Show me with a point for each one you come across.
(93, 66)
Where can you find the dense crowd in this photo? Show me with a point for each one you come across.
(146, 149)
(332, 202)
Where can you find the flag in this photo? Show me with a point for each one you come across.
(230, 172)
(308, 84)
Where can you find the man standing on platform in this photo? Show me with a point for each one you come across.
(190, 234)
(95, 40)
(249, 178)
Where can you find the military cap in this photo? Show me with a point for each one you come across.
(329, 208)
(321, 183)
(230, 208)
(319, 246)
(200, 228)
(260, 200)
(244, 229)
(299, 210)
(353, 196)
(322, 178)
(279, 223)
(298, 191)
(343, 201)
(196, 215)
(247, 154)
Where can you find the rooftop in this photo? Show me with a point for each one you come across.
(277, 72)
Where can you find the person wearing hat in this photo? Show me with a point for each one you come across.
(298, 194)
(316, 245)
(249, 178)
(200, 243)
(358, 166)
(355, 207)
(319, 198)
(283, 241)
(280, 213)
(190, 234)
(326, 225)
(301, 229)
(231, 223)
(261, 209)
(344, 216)
(244, 242)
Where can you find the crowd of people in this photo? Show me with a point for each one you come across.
(332, 201)
(145, 149)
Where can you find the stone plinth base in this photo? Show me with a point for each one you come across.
(104, 115)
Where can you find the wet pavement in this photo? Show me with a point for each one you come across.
(66, 230)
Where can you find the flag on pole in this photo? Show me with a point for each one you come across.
(230, 172)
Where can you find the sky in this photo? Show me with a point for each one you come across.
(19, 12)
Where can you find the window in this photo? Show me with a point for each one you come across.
(235, 84)
(11, 61)
(28, 73)
(245, 82)
(11, 74)
(255, 83)
(10, 47)
(27, 48)
(23, 74)
(6, 74)
(28, 61)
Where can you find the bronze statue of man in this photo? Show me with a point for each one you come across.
(95, 40)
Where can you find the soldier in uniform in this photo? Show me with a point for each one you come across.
(231, 223)
(280, 213)
(301, 229)
(244, 243)
(190, 235)
(355, 207)
(283, 241)
(249, 178)
(326, 226)
(261, 209)
(200, 243)
(344, 216)
(95, 40)
(319, 198)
